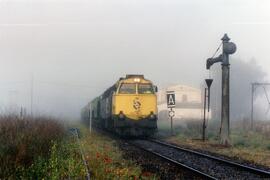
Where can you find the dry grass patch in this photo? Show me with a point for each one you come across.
(252, 148)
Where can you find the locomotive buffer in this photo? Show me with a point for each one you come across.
(171, 104)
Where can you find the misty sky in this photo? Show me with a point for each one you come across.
(74, 49)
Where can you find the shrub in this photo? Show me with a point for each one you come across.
(23, 141)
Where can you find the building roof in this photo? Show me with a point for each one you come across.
(180, 87)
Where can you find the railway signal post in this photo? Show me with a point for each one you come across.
(206, 96)
(228, 48)
(171, 105)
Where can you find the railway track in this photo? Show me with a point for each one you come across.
(75, 133)
(203, 165)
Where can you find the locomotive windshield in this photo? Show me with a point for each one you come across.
(127, 88)
(145, 89)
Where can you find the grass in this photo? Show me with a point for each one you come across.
(42, 148)
(253, 146)
(37, 148)
(106, 160)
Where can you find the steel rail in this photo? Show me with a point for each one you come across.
(74, 132)
(199, 173)
(249, 168)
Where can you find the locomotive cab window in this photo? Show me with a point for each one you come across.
(145, 89)
(126, 88)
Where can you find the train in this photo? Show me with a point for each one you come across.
(128, 108)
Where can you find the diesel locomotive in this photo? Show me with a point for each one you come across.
(128, 108)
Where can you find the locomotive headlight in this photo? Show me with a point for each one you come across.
(137, 80)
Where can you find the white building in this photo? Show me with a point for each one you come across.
(189, 103)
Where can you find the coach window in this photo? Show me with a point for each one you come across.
(127, 88)
(145, 89)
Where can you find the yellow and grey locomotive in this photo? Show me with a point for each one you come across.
(128, 108)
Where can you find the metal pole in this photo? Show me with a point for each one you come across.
(204, 109)
(90, 118)
(171, 124)
(254, 85)
(228, 48)
(208, 99)
(252, 103)
(225, 112)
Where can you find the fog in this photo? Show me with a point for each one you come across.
(72, 50)
(243, 73)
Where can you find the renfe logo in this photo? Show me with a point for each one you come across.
(170, 99)
(136, 104)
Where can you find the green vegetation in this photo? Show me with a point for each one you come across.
(106, 160)
(42, 148)
(37, 148)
